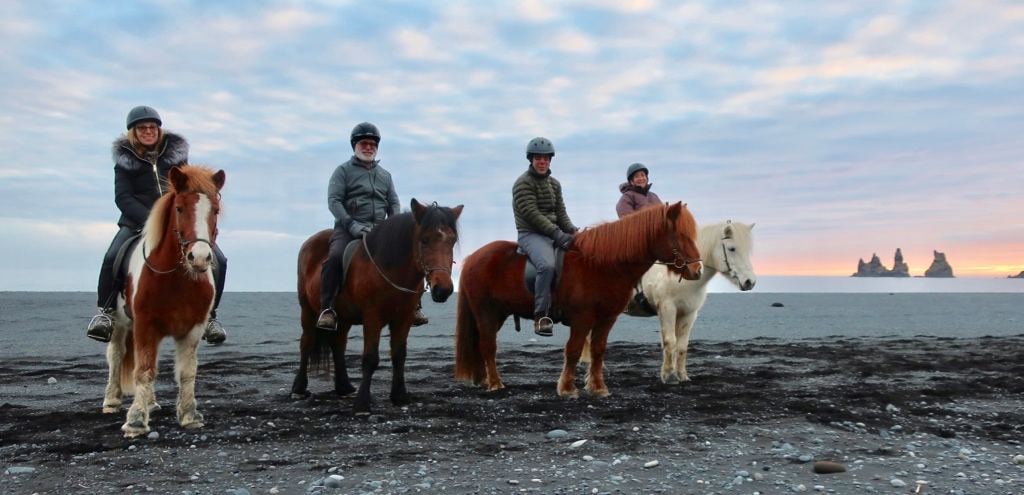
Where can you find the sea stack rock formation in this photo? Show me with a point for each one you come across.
(940, 267)
(1019, 275)
(874, 268)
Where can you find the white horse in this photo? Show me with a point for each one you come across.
(725, 248)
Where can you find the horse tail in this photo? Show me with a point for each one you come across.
(469, 364)
(127, 377)
(320, 354)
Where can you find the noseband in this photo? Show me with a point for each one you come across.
(182, 244)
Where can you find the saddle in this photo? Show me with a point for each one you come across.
(530, 281)
(124, 257)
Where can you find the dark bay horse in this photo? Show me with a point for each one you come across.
(595, 285)
(382, 286)
(168, 293)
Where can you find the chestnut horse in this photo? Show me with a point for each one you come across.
(382, 286)
(596, 283)
(168, 292)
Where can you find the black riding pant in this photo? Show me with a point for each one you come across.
(110, 284)
(333, 268)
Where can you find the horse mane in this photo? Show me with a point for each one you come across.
(629, 238)
(199, 179)
(390, 241)
(711, 235)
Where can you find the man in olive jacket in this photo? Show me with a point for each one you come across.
(542, 223)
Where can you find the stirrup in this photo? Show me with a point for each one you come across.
(543, 326)
(101, 327)
(328, 320)
(418, 318)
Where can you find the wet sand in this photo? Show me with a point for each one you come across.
(756, 416)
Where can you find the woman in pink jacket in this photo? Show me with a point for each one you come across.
(636, 191)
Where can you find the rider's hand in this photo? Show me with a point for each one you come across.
(358, 230)
(563, 240)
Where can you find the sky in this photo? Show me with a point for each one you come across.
(841, 129)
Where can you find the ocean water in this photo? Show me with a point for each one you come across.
(256, 320)
(882, 285)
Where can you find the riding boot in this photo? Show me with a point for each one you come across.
(332, 272)
(419, 318)
(101, 327)
(214, 333)
(542, 325)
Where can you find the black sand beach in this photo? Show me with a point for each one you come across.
(919, 414)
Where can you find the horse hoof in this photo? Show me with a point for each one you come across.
(574, 394)
(134, 429)
(193, 425)
(672, 379)
(600, 394)
(300, 395)
(111, 408)
(362, 414)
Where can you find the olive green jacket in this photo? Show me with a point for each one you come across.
(538, 206)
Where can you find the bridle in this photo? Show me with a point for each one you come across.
(183, 245)
(678, 261)
(425, 270)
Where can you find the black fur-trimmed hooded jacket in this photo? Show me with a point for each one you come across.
(140, 180)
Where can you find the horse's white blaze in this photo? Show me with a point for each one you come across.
(202, 253)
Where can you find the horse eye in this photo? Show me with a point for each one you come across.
(177, 209)
(732, 249)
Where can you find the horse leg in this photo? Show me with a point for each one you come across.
(342, 386)
(573, 350)
(598, 343)
(301, 383)
(488, 348)
(137, 421)
(669, 342)
(116, 354)
(185, 366)
(371, 359)
(684, 326)
(399, 350)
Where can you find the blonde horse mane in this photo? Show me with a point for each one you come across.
(627, 238)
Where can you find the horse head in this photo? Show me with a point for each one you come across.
(194, 210)
(436, 235)
(726, 248)
(681, 255)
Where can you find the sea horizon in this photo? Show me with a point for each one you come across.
(765, 284)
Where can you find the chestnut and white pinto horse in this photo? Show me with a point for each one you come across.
(168, 292)
(725, 248)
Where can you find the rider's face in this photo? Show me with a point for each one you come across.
(366, 149)
(541, 163)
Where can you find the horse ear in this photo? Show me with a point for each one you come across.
(674, 210)
(418, 209)
(177, 179)
(751, 226)
(457, 211)
(218, 179)
(728, 230)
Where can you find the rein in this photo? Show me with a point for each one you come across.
(182, 244)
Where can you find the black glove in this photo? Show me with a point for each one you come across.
(563, 240)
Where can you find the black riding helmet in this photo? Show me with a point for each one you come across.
(539, 146)
(362, 131)
(634, 168)
(141, 113)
